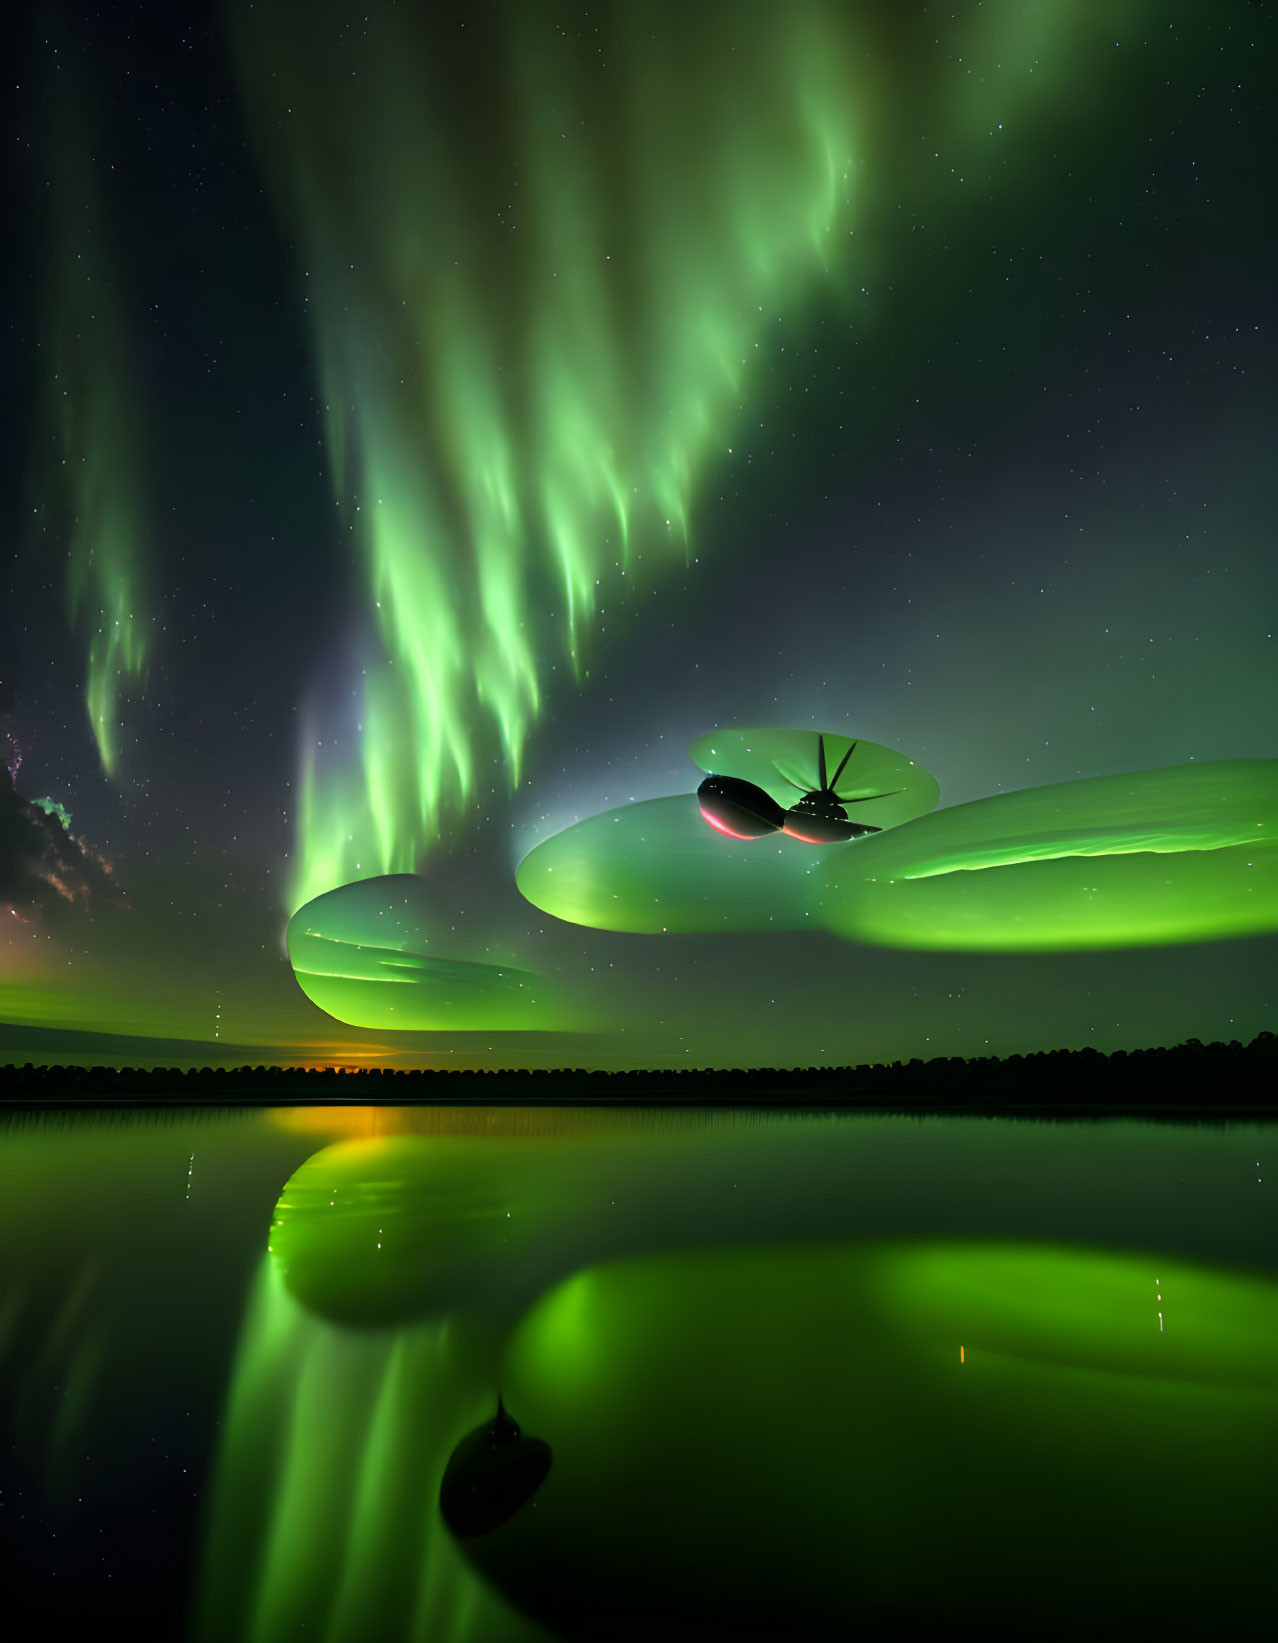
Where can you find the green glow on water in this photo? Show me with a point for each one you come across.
(763, 1408)
(528, 376)
(324, 1517)
(370, 954)
(97, 481)
(389, 1230)
(1024, 1435)
(768, 1416)
(1092, 1312)
(1149, 858)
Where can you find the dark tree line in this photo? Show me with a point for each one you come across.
(1190, 1077)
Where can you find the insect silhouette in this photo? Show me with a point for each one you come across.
(743, 810)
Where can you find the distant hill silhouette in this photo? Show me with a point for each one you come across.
(1190, 1078)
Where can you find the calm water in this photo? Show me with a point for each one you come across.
(796, 1376)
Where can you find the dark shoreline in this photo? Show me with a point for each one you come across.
(1083, 1113)
(1191, 1080)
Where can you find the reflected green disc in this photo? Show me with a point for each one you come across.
(388, 1230)
(859, 1434)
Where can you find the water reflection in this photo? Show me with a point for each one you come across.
(493, 1472)
(778, 1402)
(799, 1376)
(325, 1517)
(746, 1438)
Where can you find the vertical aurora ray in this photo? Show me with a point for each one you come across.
(536, 334)
(97, 480)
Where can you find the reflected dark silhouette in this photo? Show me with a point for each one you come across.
(493, 1471)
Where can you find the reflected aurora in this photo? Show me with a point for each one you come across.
(324, 1512)
(988, 1397)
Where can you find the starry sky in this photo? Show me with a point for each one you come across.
(434, 419)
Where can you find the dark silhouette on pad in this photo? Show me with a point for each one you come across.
(493, 1471)
(743, 810)
(738, 808)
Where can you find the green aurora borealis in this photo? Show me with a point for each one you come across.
(517, 420)
(448, 414)
(97, 487)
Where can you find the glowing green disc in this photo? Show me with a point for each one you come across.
(656, 866)
(369, 955)
(1149, 858)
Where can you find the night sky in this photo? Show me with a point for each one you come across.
(428, 421)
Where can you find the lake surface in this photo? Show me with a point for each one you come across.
(773, 1375)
